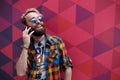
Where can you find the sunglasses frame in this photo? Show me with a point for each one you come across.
(34, 20)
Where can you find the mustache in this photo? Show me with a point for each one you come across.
(38, 32)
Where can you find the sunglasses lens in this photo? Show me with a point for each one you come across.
(33, 20)
(40, 18)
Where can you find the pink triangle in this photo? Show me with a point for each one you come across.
(117, 48)
(8, 51)
(88, 5)
(88, 25)
(98, 69)
(75, 35)
(105, 59)
(9, 1)
(8, 68)
(104, 3)
(86, 67)
(116, 70)
(77, 56)
(71, 16)
(17, 33)
(87, 47)
(64, 4)
(103, 20)
(114, 76)
(107, 37)
(20, 3)
(52, 5)
(116, 60)
(5, 24)
(63, 24)
(77, 74)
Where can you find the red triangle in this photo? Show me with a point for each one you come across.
(63, 24)
(87, 47)
(64, 4)
(7, 51)
(88, 5)
(103, 20)
(76, 75)
(32, 3)
(16, 33)
(88, 25)
(117, 48)
(115, 76)
(116, 59)
(8, 68)
(116, 71)
(86, 67)
(107, 37)
(5, 24)
(71, 16)
(52, 5)
(91, 68)
(105, 59)
(98, 69)
(78, 57)
(104, 3)
(51, 26)
(75, 35)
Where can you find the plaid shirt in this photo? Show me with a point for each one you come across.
(56, 58)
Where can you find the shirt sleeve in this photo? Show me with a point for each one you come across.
(65, 60)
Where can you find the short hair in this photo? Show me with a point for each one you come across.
(23, 19)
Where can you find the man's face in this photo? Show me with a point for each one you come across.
(35, 21)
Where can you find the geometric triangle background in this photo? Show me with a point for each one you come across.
(89, 28)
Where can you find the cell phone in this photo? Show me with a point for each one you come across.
(30, 29)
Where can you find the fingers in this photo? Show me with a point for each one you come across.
(31, 33)
(27, 29)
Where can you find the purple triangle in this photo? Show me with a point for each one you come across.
(7, 33)
(16, 14)
(19, 25)
(116, 37)
(48, 13)
(14, 1)
(4, 41)
(3, 59)
(17, 48)
(82, 14)
(105, 76)
(5, 76)
(99, 47)
(6, 10)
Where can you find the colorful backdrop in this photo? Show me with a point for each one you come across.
(89, 28)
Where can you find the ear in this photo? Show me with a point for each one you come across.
(23, 21)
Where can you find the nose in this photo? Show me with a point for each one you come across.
(38, 21)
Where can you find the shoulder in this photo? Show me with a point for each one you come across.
(54, 39)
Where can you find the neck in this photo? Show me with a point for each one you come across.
(37, 39)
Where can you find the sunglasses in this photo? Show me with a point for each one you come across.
(34, 20)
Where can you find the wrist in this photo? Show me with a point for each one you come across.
(24, 47)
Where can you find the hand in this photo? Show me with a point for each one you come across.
(26, 37)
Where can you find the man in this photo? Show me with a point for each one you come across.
(43, 56)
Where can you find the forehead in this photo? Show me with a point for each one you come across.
(32, 14)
